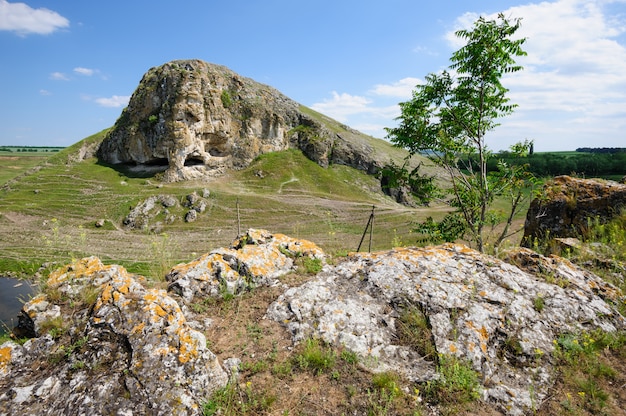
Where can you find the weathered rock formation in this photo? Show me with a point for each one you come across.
(196, 119)
(105, 344)
(256, 259)
(478, 308)
(566, 205)
(119, 349)
(155, 211)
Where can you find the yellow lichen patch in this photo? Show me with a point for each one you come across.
(138, 328)
(78, 269)
(453, 348)
(205, 260)
(106, 295)
(5, 358)
(484, 335)
(188, 346)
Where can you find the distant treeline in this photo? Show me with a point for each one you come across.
(30, 148)
(588, 164)
(602, 149)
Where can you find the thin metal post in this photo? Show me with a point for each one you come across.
(369, 249)
(238, 220)
(369, 221)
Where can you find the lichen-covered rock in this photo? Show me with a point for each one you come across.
(567, 205)
(478, 308)
(196, 119)
(255, 259)
(119, 349)
(152, 212)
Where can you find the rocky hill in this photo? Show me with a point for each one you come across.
(193, 119)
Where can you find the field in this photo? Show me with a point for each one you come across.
(49, 214)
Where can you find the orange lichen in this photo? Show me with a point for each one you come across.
(85, 267)
(453, 348)
(5, 357)
(138, 328)
(188, 346)
(483, 333)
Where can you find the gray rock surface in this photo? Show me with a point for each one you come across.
(479, 309)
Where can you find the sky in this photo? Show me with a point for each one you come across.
(68, 68)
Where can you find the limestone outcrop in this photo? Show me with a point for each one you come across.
(110, 346)
(257, 258)
(103, 342)
(193, 119)
(478, 309)
(566, 205)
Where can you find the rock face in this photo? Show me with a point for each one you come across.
(194, 119)
(121, 349)
(567, 204)
(478, 308)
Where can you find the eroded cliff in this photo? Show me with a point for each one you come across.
(193, 119)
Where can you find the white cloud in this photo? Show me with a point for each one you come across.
(571, 93)
(44, 92)
(84, 71)
(24, 20)
(115, 101)
(340, 106)
(401, 89)
(59, 76)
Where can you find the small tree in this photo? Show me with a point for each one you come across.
(450, 114)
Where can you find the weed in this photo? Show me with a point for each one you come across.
(238, 400)
(315, 356)
(349, 357)
(56, 327)
(583, 368)
(458, 382)
(539, 303)
(312, 266)
(413, 329)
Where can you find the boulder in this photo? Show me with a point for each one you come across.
(567, 205)
(192, 119)
(257, 258)
(111, 347)
(478, 309)
(150, 213)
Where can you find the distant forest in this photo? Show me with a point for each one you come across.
(30, 148)
(585, 162)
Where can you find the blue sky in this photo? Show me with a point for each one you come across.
(69, 67)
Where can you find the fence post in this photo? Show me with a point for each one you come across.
(370, 225)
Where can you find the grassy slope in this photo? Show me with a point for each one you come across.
(50, 214)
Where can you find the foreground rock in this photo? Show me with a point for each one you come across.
(255, 259)
(478, 308)
(104, 344)
(567, 205)
(193, 119)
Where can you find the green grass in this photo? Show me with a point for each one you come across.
(49, 215)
